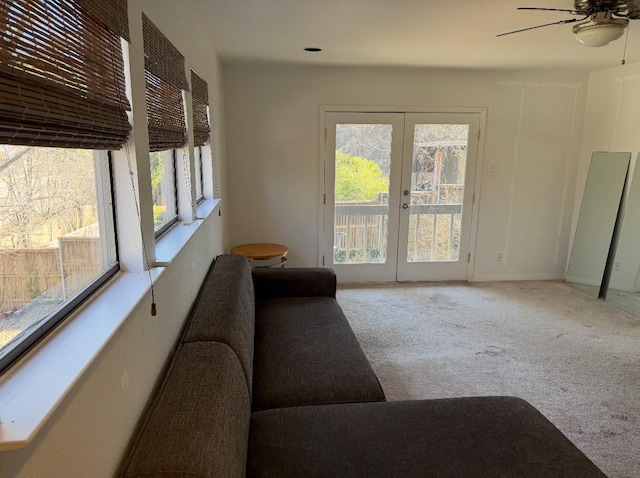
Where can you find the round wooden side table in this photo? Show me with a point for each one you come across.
(262, 252)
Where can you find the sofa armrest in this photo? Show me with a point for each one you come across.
(300, 282)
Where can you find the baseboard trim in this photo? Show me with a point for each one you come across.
(514, 277)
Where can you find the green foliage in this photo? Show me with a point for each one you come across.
(159, 213)
(33, 286)
(157, 175)
(358, 179)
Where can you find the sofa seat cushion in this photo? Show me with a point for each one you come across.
(464, 437)
(225, 310)
(307, 354)
(198, 424)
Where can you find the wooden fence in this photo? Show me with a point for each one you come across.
(56, 272)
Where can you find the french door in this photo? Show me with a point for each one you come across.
(399, 195)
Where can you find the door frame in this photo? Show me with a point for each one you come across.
(477, 182)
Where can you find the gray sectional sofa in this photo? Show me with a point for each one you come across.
(269, 380)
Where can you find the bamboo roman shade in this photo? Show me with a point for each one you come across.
(200, 102)
(165, 79)
(62, 74)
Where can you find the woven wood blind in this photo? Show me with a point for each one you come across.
(62, 74)
(165, 79)
(200, 101)
(113, 13)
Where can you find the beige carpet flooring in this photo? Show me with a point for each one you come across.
(573, 357)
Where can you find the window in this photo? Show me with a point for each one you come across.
(201, 129)
(63, 107)
(56, 237)
(198, 171)
(165, 81)
(163, 189)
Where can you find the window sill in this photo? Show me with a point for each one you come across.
(32, 389)
(171, 242)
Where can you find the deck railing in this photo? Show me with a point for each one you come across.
(360, 233)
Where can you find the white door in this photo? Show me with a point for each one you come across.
(398, 195)
(438, 176)
(363, 164)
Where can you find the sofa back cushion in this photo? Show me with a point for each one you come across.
(294, 282)
(198, 424)
(225, 310)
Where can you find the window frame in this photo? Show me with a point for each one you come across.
(38, 331)
(199, 174)
(175, 217)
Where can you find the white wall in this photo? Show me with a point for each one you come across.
(611, 124)
(90, 431)
(532, 134)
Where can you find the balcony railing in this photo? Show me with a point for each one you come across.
(360, 233)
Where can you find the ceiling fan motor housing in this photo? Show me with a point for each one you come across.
(621, 8)
(602, 22)
(607, 20)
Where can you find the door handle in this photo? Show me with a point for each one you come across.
(405, 206)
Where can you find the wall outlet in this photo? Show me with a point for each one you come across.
(500, 256)
(616, 266)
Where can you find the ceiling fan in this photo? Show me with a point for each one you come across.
(602, 22)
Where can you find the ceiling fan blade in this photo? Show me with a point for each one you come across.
(561, 22)
(573, 12)
(634, 14)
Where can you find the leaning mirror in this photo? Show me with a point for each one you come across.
(624, 285)
(597, 221)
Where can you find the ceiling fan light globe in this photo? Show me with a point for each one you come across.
(599, 35)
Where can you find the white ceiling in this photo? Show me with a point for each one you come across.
(416, 33)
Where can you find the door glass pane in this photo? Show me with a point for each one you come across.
(437, 191)
(363, 163)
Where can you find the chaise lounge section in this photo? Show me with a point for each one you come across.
(269, 380)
